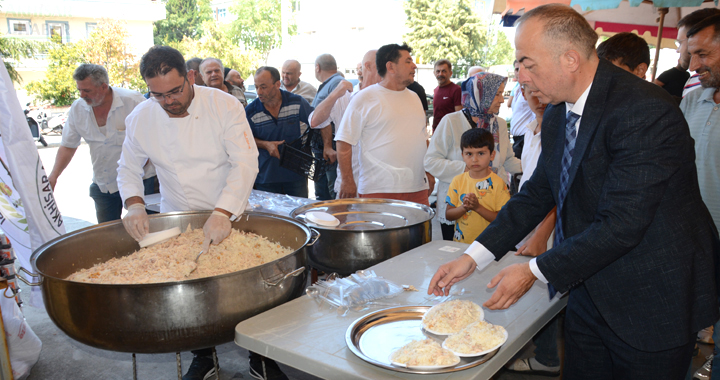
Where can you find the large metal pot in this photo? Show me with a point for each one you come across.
(165, 317)
(370, 231)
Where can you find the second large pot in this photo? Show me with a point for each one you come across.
(370, 232)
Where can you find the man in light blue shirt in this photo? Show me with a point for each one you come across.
(702, 112)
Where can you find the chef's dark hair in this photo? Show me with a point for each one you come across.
(160, 60)
(477, 138)
(713, 21)
(274, 73)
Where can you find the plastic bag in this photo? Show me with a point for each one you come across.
(23, 344)
(353, 291)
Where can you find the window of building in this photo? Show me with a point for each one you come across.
(59, 29)
(90, 27)
(222, 13)
(19, 26)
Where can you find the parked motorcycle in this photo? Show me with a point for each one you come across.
(55, 124)
(35, 127)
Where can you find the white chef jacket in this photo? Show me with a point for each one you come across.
(105, 142)
(204, 161)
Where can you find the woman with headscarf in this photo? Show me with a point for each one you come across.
(482, 96)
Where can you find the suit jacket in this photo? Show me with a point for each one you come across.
(637, 233)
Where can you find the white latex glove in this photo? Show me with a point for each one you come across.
(136, 221)
(216, 229)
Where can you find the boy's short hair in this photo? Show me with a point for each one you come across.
(477, 138)
(628, 47)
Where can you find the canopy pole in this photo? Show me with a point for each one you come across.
(658, 46)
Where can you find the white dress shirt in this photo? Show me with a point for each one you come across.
(304, 89)
(205, 160)
(105, 142)
(482, 255)
(522, 115)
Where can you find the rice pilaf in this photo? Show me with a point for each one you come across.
(424, 353)
(477, 337)
(452, 316)
(174, 259)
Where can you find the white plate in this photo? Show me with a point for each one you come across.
(477, 353)
(158, 237)
(322, 219)
(482, 318)
(426, 367)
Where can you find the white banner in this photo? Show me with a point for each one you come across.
(29, 215)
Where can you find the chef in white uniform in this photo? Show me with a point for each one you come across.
(200, 142)
(204, 154)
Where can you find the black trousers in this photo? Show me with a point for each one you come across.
(593, 351)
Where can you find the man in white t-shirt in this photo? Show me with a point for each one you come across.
(332, 109)
(386, 123)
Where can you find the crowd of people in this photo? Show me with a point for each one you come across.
(617, 203)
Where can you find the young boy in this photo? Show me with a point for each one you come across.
(475, 197)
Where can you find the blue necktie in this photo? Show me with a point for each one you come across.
(570, 136)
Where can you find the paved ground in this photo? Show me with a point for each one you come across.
(63, 358)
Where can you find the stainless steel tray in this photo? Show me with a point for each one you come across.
(375, 336)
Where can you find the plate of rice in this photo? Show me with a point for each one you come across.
(477, 339)
(424, 354)
(450, 317)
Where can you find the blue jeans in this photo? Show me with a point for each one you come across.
(108, 206)
(294, 188)
(331, 175)
(322, 184)
(546, 351)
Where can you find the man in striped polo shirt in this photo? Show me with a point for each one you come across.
(275, 119)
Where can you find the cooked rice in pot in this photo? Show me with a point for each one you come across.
(174, 259)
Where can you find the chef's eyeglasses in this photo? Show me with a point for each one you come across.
(174, 94)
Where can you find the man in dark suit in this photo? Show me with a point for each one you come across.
(637, 249)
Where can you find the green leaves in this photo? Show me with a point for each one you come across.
(259, 24)
(15, 49)
(184, 18)
(107, 46)
(450, 29)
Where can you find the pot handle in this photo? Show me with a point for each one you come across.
(30, 283)
(315, 236)
(294, 273)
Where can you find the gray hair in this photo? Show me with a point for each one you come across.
(193, 63)
(98, 74)
(563, 27)
(326, 62)
(222, 68)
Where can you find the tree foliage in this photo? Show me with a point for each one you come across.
(183, 18)
(14, 50)
(216, 42)
(259, 24)
(451, 29)
(106, 46)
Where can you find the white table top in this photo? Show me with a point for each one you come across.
(310, 337)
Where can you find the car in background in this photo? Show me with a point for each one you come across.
(250, 96)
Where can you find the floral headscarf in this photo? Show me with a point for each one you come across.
(478, 93)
